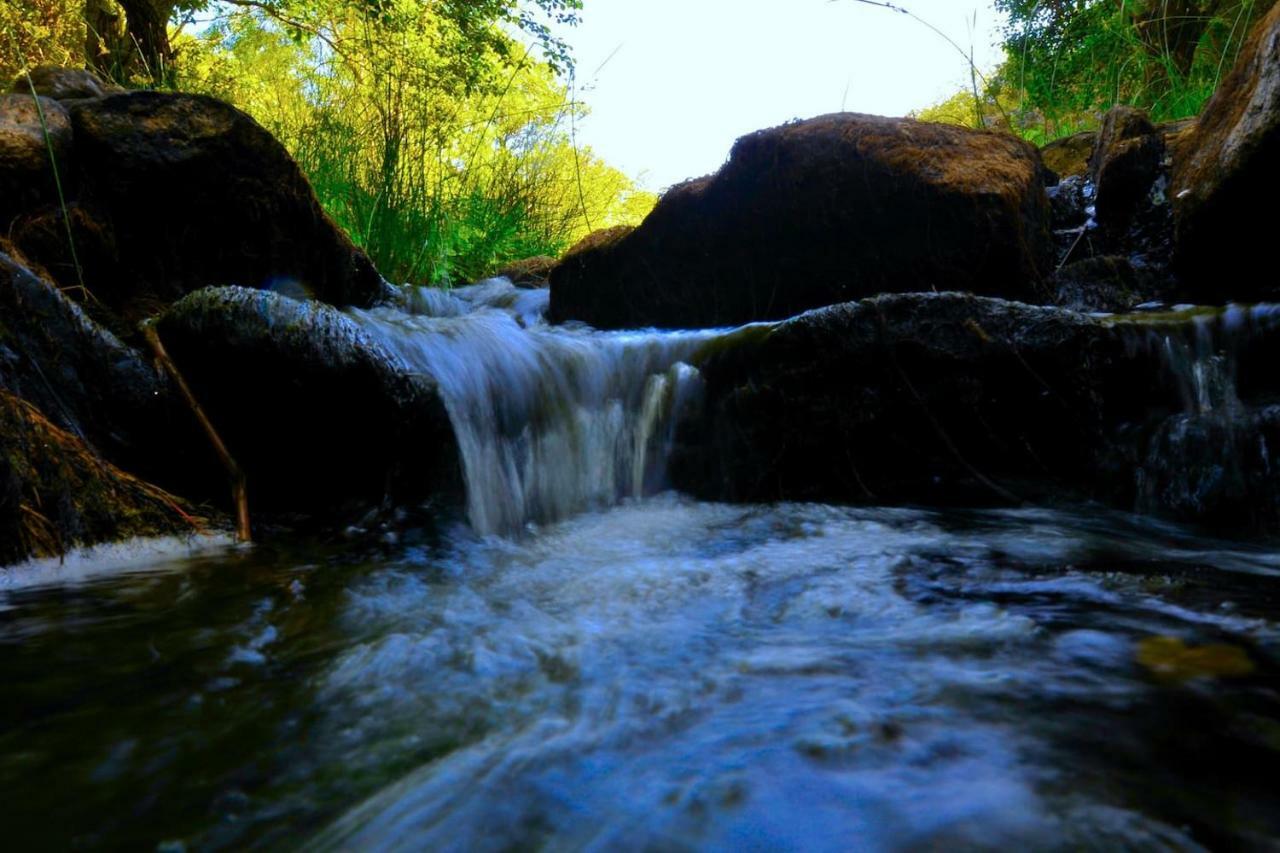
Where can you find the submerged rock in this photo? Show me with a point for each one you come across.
(819, 212)
(57, 493)
(1226, 175)
(320, 417)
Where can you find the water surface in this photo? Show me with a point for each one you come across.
(661, 675)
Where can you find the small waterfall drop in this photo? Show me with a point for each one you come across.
(550, 421)
(1213, 459)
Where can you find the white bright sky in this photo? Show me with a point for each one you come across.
(690, 76)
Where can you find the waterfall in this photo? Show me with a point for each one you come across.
(549, 421)
(1212, 460)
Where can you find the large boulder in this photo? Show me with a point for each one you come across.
(318, 414)
(30, 130)
(169, 193)
(933, 398)
(819, 212)
(56, 492)
(1226, 175)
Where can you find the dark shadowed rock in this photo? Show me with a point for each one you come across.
(1105, 283)
(63, 84)
(79, 374)
(932, 398)
(818, 212)
(26, 170)
(1215, 469)
(318, 414)
(57, 493)
(1226, 176)
(178, 192)
(1069, 155)
(1124, 165)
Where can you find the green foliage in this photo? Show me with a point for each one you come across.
(40, 32)
(1070, 60)
(442, 162)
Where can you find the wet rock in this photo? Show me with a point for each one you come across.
(1069, 156)
(1226, 172)
(1070, 202)
(56, 492)
(1124, 165)
(1107, 283)
(178, 192)
(1216, 469)
(532, 272)
(935, 398)
(26, 170)
(321, 418)
(63, 84)
(819, 212)
(79, 374)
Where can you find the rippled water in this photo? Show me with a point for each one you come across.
(664, 674)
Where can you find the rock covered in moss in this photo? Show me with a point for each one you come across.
(819, 212)
(531, 272)
(1226, 176)
(1069, 156)
(167, 193)
(317, 413)
(57, 493)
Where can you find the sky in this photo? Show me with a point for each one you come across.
(672, 83)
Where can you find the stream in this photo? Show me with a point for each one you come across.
(578, 659)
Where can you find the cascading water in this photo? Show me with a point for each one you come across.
(1213, 456)
(549, 421)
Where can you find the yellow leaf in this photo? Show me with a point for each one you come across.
(1170, 659)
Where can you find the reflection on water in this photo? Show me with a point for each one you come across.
(664, 674)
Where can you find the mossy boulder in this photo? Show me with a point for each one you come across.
(57, 493)
(1069, 155)
(531, 272)
(168, 193)
(1226, 175)
(319, 415)
(819, 212)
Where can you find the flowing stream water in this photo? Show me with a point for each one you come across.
(584, 661)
